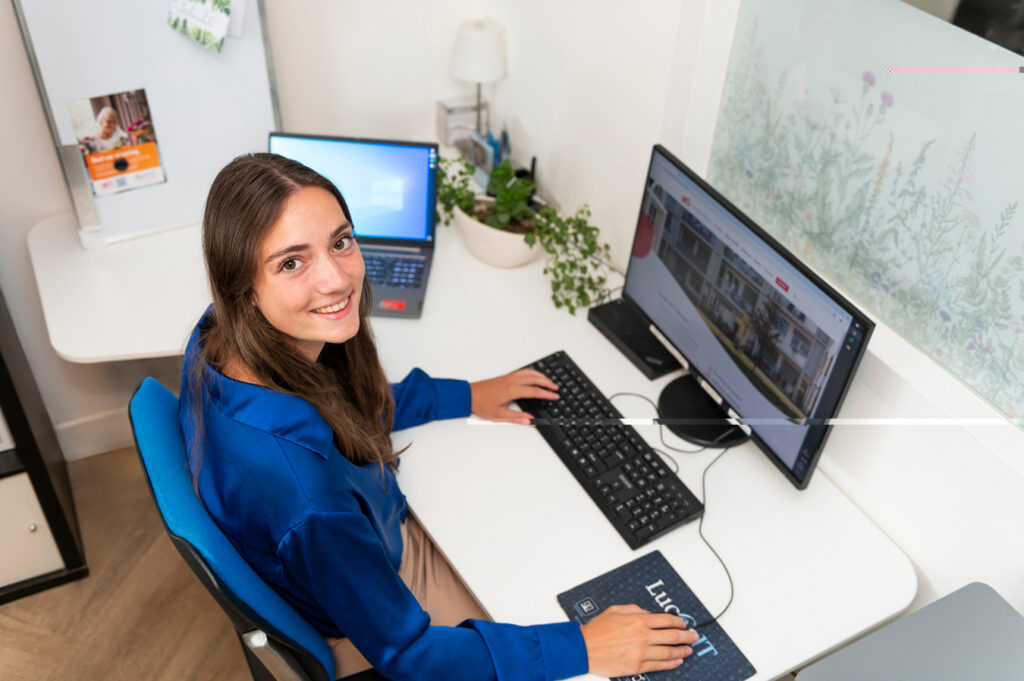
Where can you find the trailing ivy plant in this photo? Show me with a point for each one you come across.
(578, 263)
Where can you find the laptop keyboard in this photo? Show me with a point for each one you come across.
(627, 479)
(394, 271)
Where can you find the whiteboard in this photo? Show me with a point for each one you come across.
(206, 107)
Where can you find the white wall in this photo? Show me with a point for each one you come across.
(594, 84)
(364, 69)
(586, 93)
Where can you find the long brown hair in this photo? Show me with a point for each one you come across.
(353, 396)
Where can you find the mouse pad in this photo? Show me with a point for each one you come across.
(654, 585)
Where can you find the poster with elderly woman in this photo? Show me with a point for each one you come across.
(116, 137)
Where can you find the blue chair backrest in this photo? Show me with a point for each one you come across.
(154, 416)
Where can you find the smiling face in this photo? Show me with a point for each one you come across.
(310, 273)
(108, 125)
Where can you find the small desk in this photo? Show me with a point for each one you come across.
(133, 299)
(811, 571)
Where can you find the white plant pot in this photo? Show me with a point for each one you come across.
(493, 246)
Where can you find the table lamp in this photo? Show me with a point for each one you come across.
(479, 57)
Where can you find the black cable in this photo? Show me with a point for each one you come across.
(703, 492)
(700, 523)
(700, 531)
(661, 426)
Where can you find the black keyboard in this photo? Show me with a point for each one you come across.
(628, 481)
(392, 271)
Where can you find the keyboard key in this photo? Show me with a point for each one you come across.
(394, 271)
(645, 532)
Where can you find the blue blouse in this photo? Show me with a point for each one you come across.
(324, 532)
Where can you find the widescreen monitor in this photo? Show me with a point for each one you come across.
(777, 344)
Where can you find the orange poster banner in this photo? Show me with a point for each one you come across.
(132, 159)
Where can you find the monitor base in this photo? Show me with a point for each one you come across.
(690, 413)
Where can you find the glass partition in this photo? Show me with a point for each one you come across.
(899, 183)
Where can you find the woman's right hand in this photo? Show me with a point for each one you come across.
(625, 640)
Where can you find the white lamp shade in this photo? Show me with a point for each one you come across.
(479, 55)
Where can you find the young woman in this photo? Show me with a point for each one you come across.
(288, 417)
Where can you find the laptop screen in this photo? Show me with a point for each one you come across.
(390, 187)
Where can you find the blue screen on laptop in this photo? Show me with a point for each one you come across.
(388, 186)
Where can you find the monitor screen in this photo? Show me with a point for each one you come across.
(776, 343)
(390, 187)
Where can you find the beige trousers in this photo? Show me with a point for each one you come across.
(434, 584)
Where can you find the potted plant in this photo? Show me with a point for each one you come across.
(504, 230)
(492, 227)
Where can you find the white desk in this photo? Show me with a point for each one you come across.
(811, 571)
(129, 300)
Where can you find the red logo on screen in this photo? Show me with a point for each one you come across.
(783, 285)
(644, 236)
(686, 200)
(388, 304)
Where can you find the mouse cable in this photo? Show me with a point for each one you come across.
(703, 493)
(700, 531)
(700, 527)
(661, 432)
(661, 426)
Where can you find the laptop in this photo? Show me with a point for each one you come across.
(972, 633)
(391, 190)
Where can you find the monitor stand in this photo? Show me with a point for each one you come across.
(690, 413)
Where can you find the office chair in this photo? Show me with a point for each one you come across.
(279, 644)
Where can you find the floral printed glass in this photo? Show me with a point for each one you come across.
(901, 188)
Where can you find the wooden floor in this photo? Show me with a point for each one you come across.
(140, 614)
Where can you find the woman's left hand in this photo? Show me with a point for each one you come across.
(492, 396)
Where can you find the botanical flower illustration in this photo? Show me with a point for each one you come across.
(198, 33)
(917, 253)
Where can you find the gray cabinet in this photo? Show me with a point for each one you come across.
(29, 548)
(40, 545)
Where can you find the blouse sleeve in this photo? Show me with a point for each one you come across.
(339, 560)
(420, 399)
